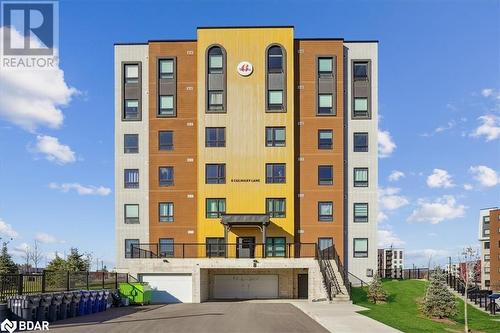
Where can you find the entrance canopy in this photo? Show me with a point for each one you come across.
(260, 221)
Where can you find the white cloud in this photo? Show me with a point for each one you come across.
(425, 257)
(485, 175)
(33, 98)
(396, 175)
(19, 250)
(381, 217)
(489, 128)
(387, 238)
(389, 198)
(45, 238)
(53, 150)
(490, 93)
(7, 230)
(440, 178)
(441, 209)
(81, 189)
(468, 187)
(386, 145)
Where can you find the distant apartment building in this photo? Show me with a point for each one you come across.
(390, 262)
(489, 238)
(242, 158)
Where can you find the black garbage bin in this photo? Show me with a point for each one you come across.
(25, 307)
(55, 307)
(65, 305)
(75, 304)
(43, 307)
(106, 300)
(14, 305)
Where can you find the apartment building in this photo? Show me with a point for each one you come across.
(489, 238)
(390, 262)
(246, 163)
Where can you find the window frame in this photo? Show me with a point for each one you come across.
(271, 179)
(168, 254)
(366, 65)
(126, 183)
(217, 214)
(124, 116)
(166, 218)
(275, 107)
(275, 213)
(269, 56)
(220, 250)
(131, 220)
(319, 107)
(324, 74)
(160, 73)
(166, 112)
(325, 218)
(130, 150)
(360, 219)
(128, 249)
(134, 80)
(273, 142)
(360, 149)
(215, 108)
(217, 143)
(324, 147)
(360, 254)
(327, 181)
(218, 179)
(271, 242)
(359, 183)
(167, 147)
(165, 183)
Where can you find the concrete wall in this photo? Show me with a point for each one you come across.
(359, 266)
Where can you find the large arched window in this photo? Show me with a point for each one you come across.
(216, 79)
(275, 79)
(275, 59)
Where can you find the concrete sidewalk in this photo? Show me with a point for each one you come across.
(342, 318)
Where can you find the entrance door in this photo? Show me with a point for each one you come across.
(303, 284)
(245, 247)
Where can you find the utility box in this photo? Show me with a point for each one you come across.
(135, 292)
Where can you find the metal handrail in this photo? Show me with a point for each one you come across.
(329, 277)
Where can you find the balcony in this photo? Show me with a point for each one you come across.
(225, 250)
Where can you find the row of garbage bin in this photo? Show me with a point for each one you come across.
(57, 306)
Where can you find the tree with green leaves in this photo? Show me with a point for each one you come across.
(376, 292)
(7, 265)
(438, 302)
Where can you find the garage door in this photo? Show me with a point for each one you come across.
(170, 288)
(245, 286)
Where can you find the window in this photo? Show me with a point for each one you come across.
(166, 211)
(486, 257)
(360, 247)
(131, 248)
(275, 246)
(131, 213)
(325, 102)
(131, 178)
(325, 175)
(216, 247)
(360, 142)
(165, 140)
(215, 60)
(487, 283)
(325, 139)
(361, 212)
(487, 269)
(275, 173)
(275, 136)
(486, 226)
(131, 73)
(325, 245)
(215, 100)
(275, 100)
(360, 70)
(166, 247)
(166, 67)
(215, 137)
(325, 67)
(486, 245)
(166, 106)
(166, 176)
(325, 211)
(215, 208)
(275, 59)
(275, 207)
(215, 174)
(360, 107)
(130, 143)
(131, 111)
(360, 177)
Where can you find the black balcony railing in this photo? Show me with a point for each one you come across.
(222, 250)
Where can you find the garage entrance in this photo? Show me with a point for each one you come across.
(170, 288)
(239, 286)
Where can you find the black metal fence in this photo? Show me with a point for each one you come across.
(474, 293)
(54, 281)
(408, 273)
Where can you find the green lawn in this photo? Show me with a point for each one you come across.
(401, 310)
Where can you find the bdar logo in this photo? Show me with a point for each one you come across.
(8, 326)
(245, 68)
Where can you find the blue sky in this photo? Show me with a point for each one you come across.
(439, 72)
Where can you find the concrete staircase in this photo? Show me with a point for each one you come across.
(320, 284)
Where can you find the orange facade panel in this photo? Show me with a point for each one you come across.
(183, 155)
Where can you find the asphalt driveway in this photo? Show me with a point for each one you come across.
(205, 317)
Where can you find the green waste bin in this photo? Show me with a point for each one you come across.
(136, 292)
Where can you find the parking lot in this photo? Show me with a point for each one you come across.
(204, 317)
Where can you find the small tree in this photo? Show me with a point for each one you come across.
(376, 292)
(439, 302)
(7, 265)
(77, 262)
(470, 257)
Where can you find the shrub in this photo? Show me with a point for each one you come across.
(376, 292)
